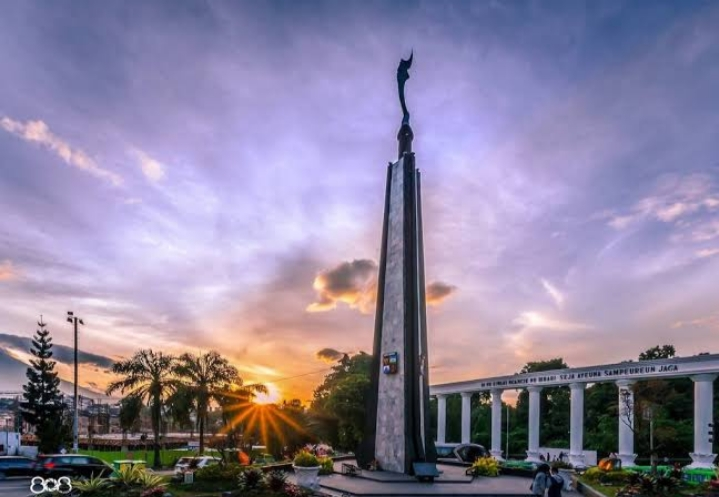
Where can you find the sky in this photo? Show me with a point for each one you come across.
(189, 176)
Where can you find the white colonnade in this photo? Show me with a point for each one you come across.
(624, 375)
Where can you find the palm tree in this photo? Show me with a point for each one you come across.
(205, 377)
(147, 375)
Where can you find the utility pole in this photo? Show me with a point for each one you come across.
(71, 318)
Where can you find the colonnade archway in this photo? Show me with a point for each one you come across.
(702, 369)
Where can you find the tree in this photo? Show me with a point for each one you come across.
(658, 404)
(43, 407)
(180, 406)
(130, 410)
(658, 352)
(148, 375)
(205, 377)
(341, 397)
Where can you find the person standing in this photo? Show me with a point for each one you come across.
(541, 480)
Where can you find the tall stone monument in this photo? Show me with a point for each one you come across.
(398, 432)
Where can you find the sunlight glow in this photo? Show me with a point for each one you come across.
(271, 397)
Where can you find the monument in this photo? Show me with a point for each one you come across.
(398, 433)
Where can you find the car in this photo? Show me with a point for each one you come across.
(182, 464)
(73, 465)
(16, 466)
(185, 464)
(460, 453)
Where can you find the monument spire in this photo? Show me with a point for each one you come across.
(398, 435)
(405, 135)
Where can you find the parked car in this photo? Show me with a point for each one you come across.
(73, 465)
(185, 464)
(463, 453)
(16, 466)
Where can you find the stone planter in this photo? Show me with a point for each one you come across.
(307, 477)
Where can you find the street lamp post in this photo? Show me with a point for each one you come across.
(71, 318)
(649, 415)
(507, 441)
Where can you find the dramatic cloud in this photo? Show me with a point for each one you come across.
(353, 283)
(8, 271)
(330, 355)
(535, 320)
(553, 292)
(61, 353)
(437, 292)
(38, 132)
(710, 322)
(675, 197)
(151, 168)
(708, 252)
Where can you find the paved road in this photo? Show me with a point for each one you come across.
(15, 487)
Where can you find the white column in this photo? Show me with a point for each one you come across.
(702, 456)
(466, 416)
(533, 442)
(626, 423)
(496, 424)
(576, 425)
(441, 418)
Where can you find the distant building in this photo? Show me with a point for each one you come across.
(9, 443)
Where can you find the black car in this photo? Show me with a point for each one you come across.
(73, 465)
(16, 466)
(460, 453)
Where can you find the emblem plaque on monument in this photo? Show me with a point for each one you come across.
(398, 435)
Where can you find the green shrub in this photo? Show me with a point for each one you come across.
(305, 459)
(327, 466)
(650, 486)
(619, 477)
(251, 479)
(485, 466)
(275, 480)
(219, 472)
(594, 473)
(95, 486)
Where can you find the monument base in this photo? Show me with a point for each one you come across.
(452, 480)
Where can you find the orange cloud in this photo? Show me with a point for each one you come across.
(438, 292)
(355, 284)
(329, 355)
(8, 272)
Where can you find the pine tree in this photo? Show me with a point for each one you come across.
(43, 407)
